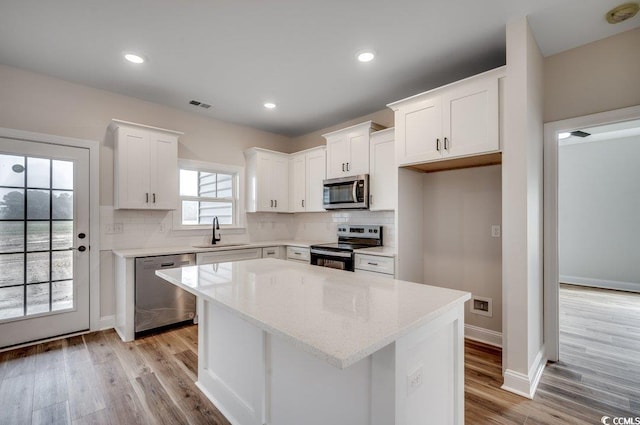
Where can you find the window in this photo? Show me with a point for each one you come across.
(208, 191)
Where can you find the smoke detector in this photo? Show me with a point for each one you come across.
(622, 13)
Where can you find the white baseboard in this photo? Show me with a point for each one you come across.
(525, 385)
(106, 322)
(601, 283)
(486, 336)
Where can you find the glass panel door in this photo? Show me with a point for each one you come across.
(43, 240)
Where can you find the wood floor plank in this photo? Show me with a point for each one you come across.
(17, 362)
(49, 355)
(190, 361)
(51, 387)
(85, 397)
(55, 414)
(163, 409)
(16, 399)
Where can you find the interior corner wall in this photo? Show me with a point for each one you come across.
(597, 77)
(460, 206)
(522, 209)
(598, 207)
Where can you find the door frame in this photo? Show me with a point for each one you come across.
(551, 266)
(94, 207)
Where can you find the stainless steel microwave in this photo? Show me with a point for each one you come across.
(346, 193)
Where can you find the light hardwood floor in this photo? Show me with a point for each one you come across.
(97, 379)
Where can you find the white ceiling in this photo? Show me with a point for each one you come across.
(300, 54)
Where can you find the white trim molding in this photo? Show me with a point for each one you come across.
(601, 283)
(107, 322)
(485, 336)
(551, 266)
(526, 385)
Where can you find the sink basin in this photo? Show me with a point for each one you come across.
(220, 245)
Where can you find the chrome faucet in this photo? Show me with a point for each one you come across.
(216, 235)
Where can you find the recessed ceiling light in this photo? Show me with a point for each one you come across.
(366, 55)
(133, 58)
(269, 105)
(563, 135)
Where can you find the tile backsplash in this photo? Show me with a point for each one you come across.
(126, 229)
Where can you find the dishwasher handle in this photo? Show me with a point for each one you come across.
(164, 265)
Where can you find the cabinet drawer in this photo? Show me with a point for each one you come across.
(298, 253)
(231, 255)
(272, 252)
(375, 263)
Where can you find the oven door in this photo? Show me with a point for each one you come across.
(341, 260)
(346, 193)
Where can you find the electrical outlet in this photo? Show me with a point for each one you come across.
(495, 230)
(414, 379)
(118, 228)
(482, 306)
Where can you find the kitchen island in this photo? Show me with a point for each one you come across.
(284, 343)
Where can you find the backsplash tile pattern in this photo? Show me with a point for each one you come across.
(143, 229)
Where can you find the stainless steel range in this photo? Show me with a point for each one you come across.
(341, 255)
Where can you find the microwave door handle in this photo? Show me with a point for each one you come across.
(355, 191)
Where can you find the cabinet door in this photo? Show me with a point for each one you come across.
(383, 173)
(279, 183)
(338, 151)
(264, 195)
(315, 174)
(298, 185)
(163, 150)
(419, 131)
(132, 172)
(470, 118)
(358, 162)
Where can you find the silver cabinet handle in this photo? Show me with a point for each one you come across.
(343, 166)
(347, 166)
(372, 264)
(303, 203)
(275, 203)
(154, 198)
(446, 144)
(147, 197)
(438, 145)
(272, 203)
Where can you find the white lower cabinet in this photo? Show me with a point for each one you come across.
(230, 255)
(273, 252)
(297, 253)
(382, 266)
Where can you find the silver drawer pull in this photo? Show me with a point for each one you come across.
(372, 264)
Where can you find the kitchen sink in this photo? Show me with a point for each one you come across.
(220, 245)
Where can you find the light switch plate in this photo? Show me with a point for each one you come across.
(495, 230)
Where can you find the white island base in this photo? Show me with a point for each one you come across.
(256, 370)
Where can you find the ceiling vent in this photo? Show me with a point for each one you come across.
(580, 133)
(200, 104)
(622, 13)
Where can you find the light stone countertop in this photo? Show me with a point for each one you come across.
(335, 315)
(380, 251)
(150, 252)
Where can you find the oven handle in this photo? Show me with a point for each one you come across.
(331, 253)
(355, 191)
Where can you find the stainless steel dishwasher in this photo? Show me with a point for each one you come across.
(159, 303)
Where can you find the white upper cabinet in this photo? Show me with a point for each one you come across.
(267, 181)
(145, 167)
(458, 120)
(383, 174)
(348, 150)
(307, 171)
(315, 162)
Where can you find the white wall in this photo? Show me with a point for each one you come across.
(597, 77)
(459, 253)
(42, 104)
(599, 213)
(523, 354)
